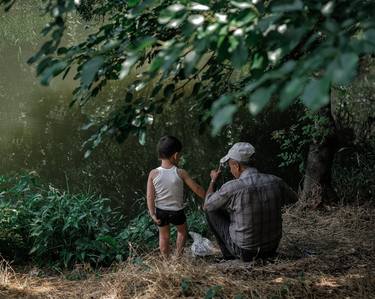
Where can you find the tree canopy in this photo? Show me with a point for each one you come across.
(236, 54)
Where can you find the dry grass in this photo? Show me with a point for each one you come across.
(6, 272)
(324, 254)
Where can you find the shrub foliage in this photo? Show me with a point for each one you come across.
(62, 229)
(58, 227)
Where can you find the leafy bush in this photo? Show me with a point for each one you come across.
(295, 141)
(11, 242)
(75, 228)
(57, 227)
(141, 233)
(63, 229)
(15, 215)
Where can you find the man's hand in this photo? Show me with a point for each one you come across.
(156, 220)
(214, 175)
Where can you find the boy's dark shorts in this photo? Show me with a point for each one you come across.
(167, 217)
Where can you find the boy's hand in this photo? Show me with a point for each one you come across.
(156, 220)
(214, 175)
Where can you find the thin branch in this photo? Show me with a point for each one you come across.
(195, 75)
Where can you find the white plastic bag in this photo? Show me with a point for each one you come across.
(201, 246)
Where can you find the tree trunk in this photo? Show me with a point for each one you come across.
(317, 186)
(350, 115)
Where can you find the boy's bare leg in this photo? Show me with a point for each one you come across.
(164, 240)
(181, 239)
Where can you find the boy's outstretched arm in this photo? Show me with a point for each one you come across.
(151, 196)
(194, 186)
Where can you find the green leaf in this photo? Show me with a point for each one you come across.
(52, 71)
(287, 6)
(365, 43)
(240, 55)
(175, 11)
(127, 66)
(259, 61)
(260, 98)
(108, 240)
(185, 286)
(190, 62)
(132, 3)
(205, 2)
(290, 91)
(213, 292)
(156, 65)
(242, 4)
(221, 102)
(196, 20)
(223, 117)
(89, 71)
(224, 45)
(171, 57)
(316, 93)
(142, 137)
(370, 37)
(45, 49)
(156, 90)
(43, 64)
(62, 51)
(343, 68)
(144, 43)
(196, 88)
(87, 154)
(245, 17)
(168, 90)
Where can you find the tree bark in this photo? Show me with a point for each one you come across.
(317, 186)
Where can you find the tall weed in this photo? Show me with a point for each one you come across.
(57, 227)
(75, 228)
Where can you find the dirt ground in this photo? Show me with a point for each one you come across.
(323, 254)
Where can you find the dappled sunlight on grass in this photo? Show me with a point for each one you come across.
(327, 282)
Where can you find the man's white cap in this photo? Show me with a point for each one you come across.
(240, 151)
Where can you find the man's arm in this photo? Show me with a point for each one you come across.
(211, 187)
(215, 200)
(151, 196)
(194, 186)
(210, 190)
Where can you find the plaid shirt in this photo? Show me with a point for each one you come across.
(253, 202)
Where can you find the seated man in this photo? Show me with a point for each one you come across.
(245, 213)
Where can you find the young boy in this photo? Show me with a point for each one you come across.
(165, 194)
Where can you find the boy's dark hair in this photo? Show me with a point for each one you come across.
(167, 146)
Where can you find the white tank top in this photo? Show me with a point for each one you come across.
(169, 189)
